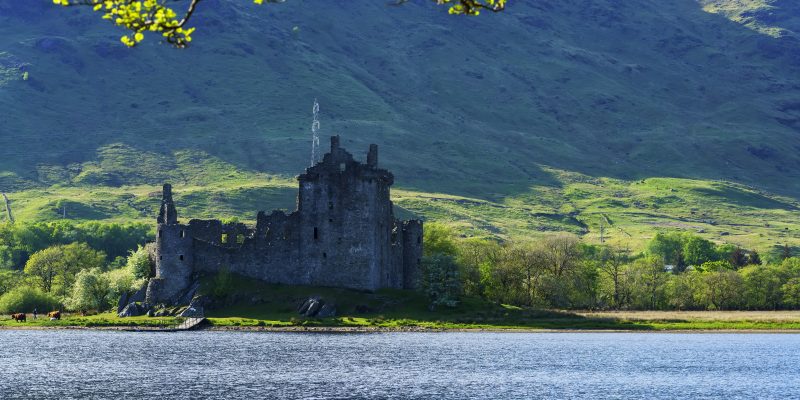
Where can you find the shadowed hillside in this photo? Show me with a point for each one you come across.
(485, 108)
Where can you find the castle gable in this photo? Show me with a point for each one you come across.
(339, 162)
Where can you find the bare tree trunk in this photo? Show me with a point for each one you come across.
(8, 209)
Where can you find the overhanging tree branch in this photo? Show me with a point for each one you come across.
(140, 16)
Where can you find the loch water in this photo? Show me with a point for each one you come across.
(64, 364)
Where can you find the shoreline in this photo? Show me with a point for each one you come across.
(375, 329)
(787, 322)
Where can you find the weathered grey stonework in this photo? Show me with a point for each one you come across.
(343, 234)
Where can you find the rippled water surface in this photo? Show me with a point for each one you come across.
(126, 365)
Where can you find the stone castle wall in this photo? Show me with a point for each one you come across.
(343, 234)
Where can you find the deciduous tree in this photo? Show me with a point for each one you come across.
(668, 246)
(473, 257)
(43, 267)
(697, 250)
(684, 291)
(561, 253)
(612, 265)
(139, 264)
(723, 289)
(791, 293)
(60, 264)
(762, 287)
(649, 280)
(90, 291)
(439, 239)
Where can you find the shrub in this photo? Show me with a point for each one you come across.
(90, 292)
(441, 281)
(791, 292)
(139, 263)
(439, 240)
(121, 281)
(25, 299)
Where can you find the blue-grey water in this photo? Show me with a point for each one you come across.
(233, 365)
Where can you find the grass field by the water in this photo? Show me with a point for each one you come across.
(700, 321)
(104, 320)
(260, 306)
(697, 316)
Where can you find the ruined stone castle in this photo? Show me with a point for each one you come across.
(342, 234)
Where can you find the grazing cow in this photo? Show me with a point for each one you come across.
(54, 315)
(19, 317)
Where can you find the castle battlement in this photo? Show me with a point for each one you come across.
(342, 234)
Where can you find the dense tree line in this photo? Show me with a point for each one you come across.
(677, 271)
(62, 265)
(88, 266)
(19, 241)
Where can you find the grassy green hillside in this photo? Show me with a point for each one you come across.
(553, 116)
(630, 212)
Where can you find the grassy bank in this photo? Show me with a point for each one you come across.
(104, 320)
(702, 320)
(259, 306)
(765, 321)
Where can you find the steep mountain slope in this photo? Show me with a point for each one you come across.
(487, 108)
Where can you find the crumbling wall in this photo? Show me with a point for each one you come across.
(269, 254)
(213, 231)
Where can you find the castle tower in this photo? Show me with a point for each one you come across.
(346, 221)
(173, 254)
(167, 215)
